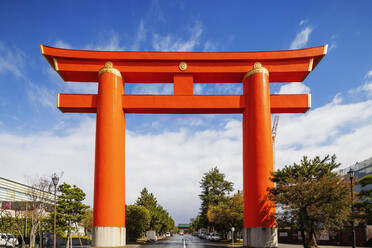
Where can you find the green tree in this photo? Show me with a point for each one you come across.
(314, 197)
(148, 200)
(214, 189)
(87, 221)
(195, 224)
(165, 222)
(70, 209)
(6, 221)
(227, 214)
(364, 206)
(160, 221)
(137, 220)
(38, 195)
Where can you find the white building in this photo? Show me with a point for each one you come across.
(17, 197)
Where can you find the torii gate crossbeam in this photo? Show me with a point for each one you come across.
(254, 69)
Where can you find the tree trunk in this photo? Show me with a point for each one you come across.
(314, 240)
(33, 234)
(301, 224)
(76, 226)
(303, 237)
(68, 238)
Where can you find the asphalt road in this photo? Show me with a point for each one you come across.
(185, 241)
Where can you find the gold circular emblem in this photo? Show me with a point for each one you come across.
(182, 66)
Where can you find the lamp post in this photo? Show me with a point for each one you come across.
(55, 180)
(351, 176)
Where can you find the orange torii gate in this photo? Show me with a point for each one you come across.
(254, 69)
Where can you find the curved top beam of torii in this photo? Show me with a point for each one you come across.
(183, 69)
(206, 67)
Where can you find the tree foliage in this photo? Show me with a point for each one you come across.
(364, 206)
(39, 196)
(87, 221)
(214, 190)
(19, 224)
(137, 221)
(160, 220)
(227, 214)
(70, 209)
(195, 224)
(311, 196)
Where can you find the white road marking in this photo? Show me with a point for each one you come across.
(184, 243)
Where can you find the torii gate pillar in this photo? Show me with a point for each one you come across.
(109, 175)
(259, 224)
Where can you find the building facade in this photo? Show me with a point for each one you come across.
(183, 228)
(17, 197)
(361, 169)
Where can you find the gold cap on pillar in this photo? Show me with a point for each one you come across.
(109, 67)
(257, 68)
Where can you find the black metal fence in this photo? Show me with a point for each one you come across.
(340, 237)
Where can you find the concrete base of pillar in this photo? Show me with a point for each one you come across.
(259, 237)
(105, 236)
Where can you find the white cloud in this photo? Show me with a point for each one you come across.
(332, 42)
(198, 89)
(56, 81)
(63, 44)
(80, 88)
(368, 74)
(173, 43)
(112, 41)
(41, 95)
(106, 41)
(210, 46)
(140, 36)
(12, 61)
(324, 124)
(41, 154)
(185, 156)
(332, 46)
(109, 41)
(366, 87)
(193, 122)
(301, 38)
(294, 88)
(303, 22)
(170, 164)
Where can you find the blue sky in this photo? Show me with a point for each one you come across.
(169, 153)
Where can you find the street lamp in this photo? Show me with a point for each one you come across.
(55, 180)
(351, 176)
